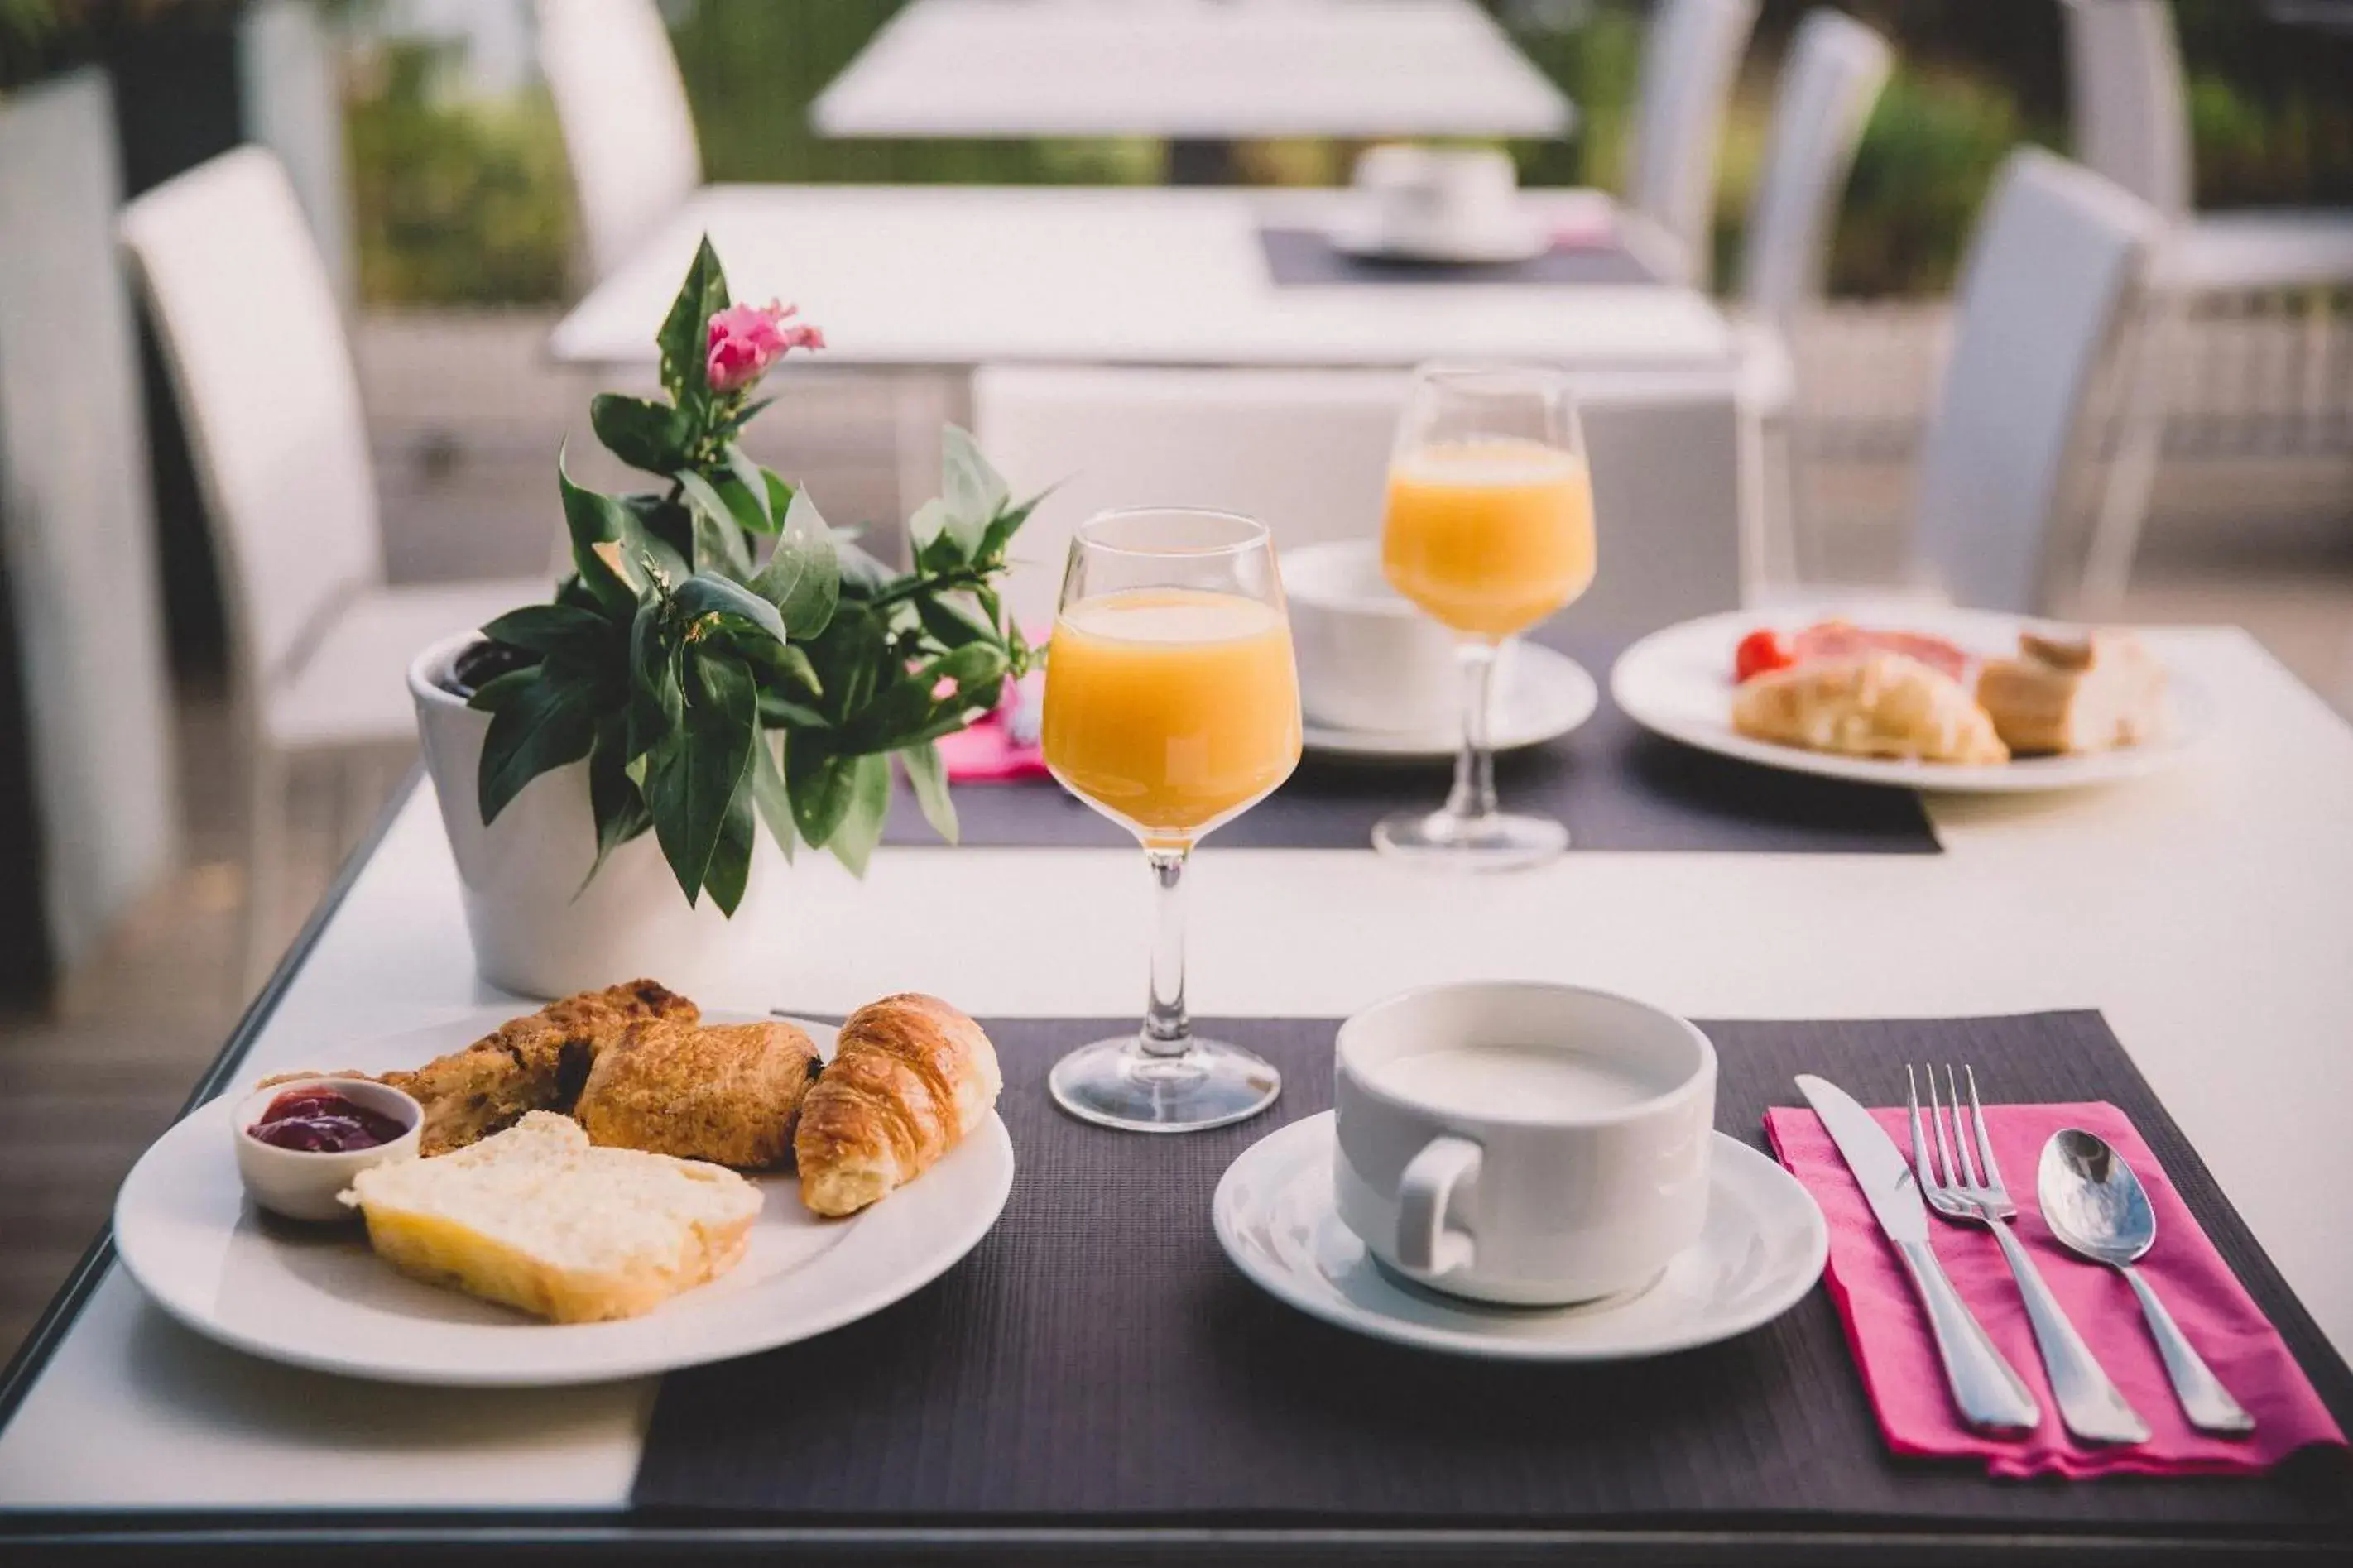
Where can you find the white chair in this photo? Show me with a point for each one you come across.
(628, 134)
(1689, 58)
(2131, 123)
(319, 644)
(2054, 271)
(1830, 79)
(1307, 452)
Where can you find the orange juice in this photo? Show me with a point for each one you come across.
(1490, 537)
(1171, 708)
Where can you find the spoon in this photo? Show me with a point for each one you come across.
(2093, 1203)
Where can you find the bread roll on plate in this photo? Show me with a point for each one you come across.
(910, 1076)
(1876, 705)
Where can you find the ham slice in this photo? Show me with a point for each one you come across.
(1836, 639)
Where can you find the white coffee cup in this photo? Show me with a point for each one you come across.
(1368, 658)
(1433, 198)
(1524, 1142)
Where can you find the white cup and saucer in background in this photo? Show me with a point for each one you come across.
(1522, 1170)
(1453, 205)
(1379, 679)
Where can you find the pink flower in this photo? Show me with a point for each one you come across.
(745, 339)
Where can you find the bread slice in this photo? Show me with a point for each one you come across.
(2087, 694)
(1877, 705)
(537, 1218)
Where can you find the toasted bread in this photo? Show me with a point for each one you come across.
(539, 1219)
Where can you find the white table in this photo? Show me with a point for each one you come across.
(2205, 912)
(1191, 69)
(958, 276)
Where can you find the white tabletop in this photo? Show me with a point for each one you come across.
(1194, 68)
(2205, 912)
(959, 276)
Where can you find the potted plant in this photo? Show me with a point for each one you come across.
(718, 662)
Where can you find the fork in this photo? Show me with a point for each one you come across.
(1964, 1188)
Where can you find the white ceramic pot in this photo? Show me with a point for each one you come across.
(541, 925)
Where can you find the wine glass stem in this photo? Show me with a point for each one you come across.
(1473, 795)
(1168, 1032)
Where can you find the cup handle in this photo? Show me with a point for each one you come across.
(1424, 1245)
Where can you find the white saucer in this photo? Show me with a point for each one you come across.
(1513, 240)
(1543, 696)
(1763, 1249)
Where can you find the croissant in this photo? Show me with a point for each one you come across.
(1877, 705)
(909, 1079)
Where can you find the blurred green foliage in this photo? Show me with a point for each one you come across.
(467, 202)
(457, 199)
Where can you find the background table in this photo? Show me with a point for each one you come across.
(961, 276)
(2205, 912)
(1201, 72)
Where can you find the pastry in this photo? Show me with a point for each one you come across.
(909, 1078)
(535, 1063)
(2088, 694)
(539, 1219)
(1879, 704)
(727, 1093)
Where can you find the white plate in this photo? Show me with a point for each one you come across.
(316, 1297)
(1544, 696)
(1520, 239)
(1763, 1249)
(1678, 682)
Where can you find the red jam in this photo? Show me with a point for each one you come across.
(321, 1122)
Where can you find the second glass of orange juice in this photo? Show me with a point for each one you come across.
(1172, 706)
(1489, 528)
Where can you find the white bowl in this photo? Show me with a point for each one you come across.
(302, 1184)
(1368, 660)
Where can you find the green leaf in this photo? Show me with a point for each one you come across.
(559, 634)
(950, 622)
(929, 534)
(667, 521)
(862, 576)
(546, 724)
(708, 594)
(643, 435)
(731, 861)
(783, 664)
(780, 494)
(754, 479)
(657, 706)
(500, 690)
(684, 337)
(692, 776)
(861, 829)
(783, 711)
(613, 796)
(769, 794)
(973, 491)
(594, 520)
(820, 782)
(928, 775)
(1006, 523)
(718, 545)
(803, 576)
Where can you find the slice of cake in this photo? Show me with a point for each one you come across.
(1879, 704)
(536, 1217)
(2087, 694)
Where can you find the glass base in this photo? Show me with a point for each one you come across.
(1117, 1083)
(1496, 842)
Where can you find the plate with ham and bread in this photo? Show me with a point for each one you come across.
(1934, 699)
(612, 1186)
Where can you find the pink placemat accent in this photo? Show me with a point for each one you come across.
(987, 752)
(1889, 1336)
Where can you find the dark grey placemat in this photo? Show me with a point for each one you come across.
(1616, 786)
(1096, 1357)
(1306, 257)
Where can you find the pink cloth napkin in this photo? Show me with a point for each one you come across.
(1898, 1360)
(985, 753)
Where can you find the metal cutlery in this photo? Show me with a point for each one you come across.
(2093, 1203)
(1986, 1388)
(1967, 1187)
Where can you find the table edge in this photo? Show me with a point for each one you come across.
(25, 1367)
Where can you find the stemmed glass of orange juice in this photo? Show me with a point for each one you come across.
(1489, 530)
(1172, 706)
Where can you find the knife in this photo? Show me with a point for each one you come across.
(1986, 1389)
